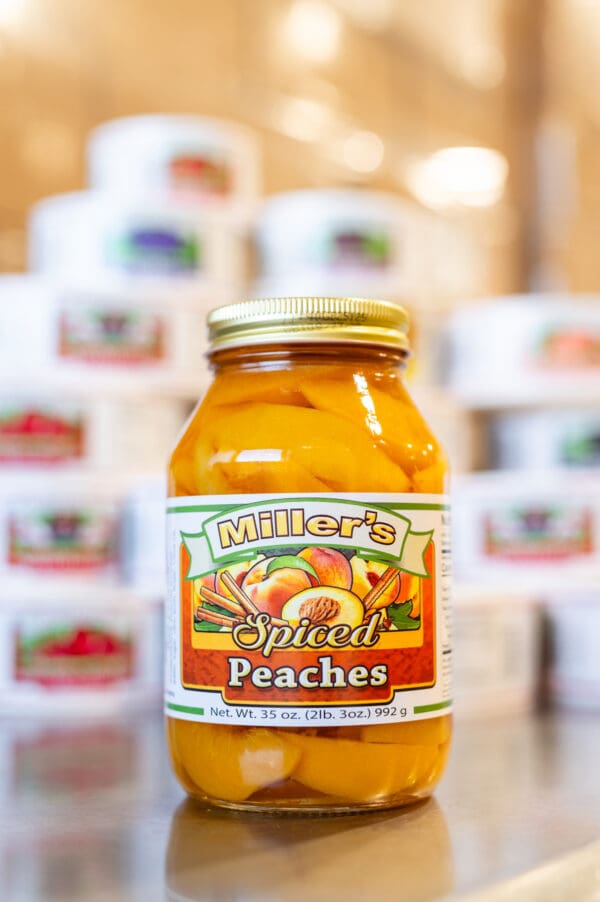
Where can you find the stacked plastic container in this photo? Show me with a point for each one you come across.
(102, 350)
(530, 367)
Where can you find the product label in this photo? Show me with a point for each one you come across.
(56, 654)
(61, 538)
(569, 347)
(582, 449)
(198, 172)
(304, 610)
(31, 433)
(359, 247)
(155, 250)
(539, 533)
(112, 336)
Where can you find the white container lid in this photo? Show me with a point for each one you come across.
(90, 682)
(535, 530)
(211, 160)
(341, 236)
(50, 331)
(135, 236)
(526, 349)
(547, 438)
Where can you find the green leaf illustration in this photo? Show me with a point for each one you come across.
(291, 560)
(399, 614)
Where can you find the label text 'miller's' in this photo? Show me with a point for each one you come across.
(269, 524)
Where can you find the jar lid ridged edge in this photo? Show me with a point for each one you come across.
(308, 319)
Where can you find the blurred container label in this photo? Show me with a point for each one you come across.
(65, 539)
(359, 248)
(31, 433)
(538, 533)
(154, 250)
(55, 653)
(112, 336)
(199, 173)
(568, 347)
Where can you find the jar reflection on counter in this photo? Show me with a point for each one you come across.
(214, 855)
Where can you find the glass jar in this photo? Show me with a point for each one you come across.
(308, 655)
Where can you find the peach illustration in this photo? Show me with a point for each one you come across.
(330, 565)
(269, 592)
(365, 575)
(324, 605)
(238, 571)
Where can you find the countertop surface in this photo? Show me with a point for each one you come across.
(90, 811)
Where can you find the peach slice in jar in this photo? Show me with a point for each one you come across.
(327, 446)
(406, 437)
(360, 771)
(231, 763)
(431, 480)
(433, 731)
(275, 387)
(267, 476)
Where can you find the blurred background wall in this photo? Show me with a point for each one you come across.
(342, 92)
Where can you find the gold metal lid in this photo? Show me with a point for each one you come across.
(308, 319)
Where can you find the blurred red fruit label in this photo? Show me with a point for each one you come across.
(81, 653)
(570, 348)
(112, 336)
(35, 434)
(61, 538)
(199, 174)
(292, 610)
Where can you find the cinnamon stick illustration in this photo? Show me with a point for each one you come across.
(239, 608)
(223, 601)
(218, 619)
(238, 593)
(385, 580)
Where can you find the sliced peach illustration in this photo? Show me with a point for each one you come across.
(324, 605)
(270, 591)
(231, 763)
(331, 567)
(365, 575)
(416, 598)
